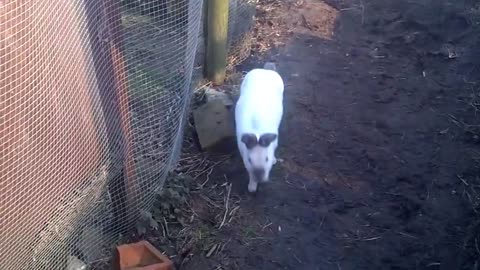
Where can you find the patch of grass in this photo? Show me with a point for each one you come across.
(144, 82)
(249, 232)
(152, 70)
(148, 84)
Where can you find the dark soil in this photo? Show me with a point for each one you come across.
(380, 142)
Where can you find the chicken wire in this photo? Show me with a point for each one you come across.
(240, 25)
(93, 96)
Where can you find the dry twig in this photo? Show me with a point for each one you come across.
(229, 189)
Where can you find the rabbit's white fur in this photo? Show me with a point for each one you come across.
(258, 112)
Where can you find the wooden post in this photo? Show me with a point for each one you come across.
(217, 28)
(118, 66)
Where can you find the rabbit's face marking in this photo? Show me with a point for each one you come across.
(259, 157)
(266, 139)
(250, 140)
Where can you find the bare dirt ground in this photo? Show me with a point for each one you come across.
(380, 142)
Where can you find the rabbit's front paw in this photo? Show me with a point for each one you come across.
(252, 186)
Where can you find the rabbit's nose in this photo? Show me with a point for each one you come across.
(259, 173)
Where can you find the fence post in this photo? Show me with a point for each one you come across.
(119, 71)
(217, 30)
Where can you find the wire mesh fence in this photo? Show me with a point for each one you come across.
(93, 96)
(240, 25)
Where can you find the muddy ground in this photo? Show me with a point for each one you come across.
(380, 143)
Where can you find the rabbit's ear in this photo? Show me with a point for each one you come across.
(250, 140)
(266, 139)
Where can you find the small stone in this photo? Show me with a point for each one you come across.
(215, 127)
(449, 51)
(213, 94)
(75, 263)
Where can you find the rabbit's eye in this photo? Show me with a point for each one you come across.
(250, 160)
(266, 159)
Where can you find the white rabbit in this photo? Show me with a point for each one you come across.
(258, 114)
